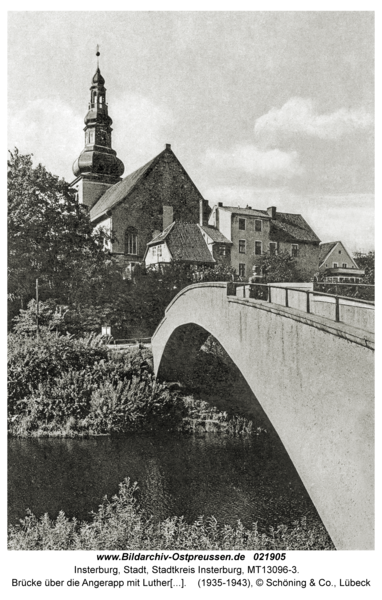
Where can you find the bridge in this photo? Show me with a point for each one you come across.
(312, 375)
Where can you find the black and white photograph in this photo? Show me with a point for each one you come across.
(191, 299)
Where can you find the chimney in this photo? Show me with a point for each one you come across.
(272, 212)
(168, 216)
(220, 203)
(168, 146)
(204, 212)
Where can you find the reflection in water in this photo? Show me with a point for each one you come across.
(250, 479)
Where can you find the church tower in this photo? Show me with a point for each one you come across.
(97, 168)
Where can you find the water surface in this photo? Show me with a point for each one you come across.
(230, 478)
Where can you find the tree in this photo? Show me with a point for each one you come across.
(366, 261)
(51, 239)
(279, 267)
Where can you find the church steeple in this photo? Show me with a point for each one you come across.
(98, 161)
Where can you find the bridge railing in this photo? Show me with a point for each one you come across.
(345, 309)
(363, 291)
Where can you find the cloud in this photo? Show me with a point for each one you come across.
(269, 164)
(50, 130)
(141, 129)
(299, 117)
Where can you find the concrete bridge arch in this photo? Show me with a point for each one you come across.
(314, 380)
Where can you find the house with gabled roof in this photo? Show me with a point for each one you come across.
(254, 232)
(187, 243)
(336, 264)
(130, 209)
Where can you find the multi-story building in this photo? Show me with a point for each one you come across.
(255, 232)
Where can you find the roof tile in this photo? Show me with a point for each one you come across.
(120, 190)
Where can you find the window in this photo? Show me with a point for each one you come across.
(257, 225)
(154, 250)
(339, 251)
(294, 250)
(257, 247)
(335, 265)
(131, 241)
(242, 246)
(273, 248)
(344, 265)
(160, 250)
(223, 251)
(241, 270)
(242, 224)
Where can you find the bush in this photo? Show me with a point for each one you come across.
(120, 524)
(79, 385)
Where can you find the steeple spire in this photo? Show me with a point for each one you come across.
(98, 160)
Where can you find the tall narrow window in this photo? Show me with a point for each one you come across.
(335, 265)
(241, 269)
(257, 225)
(257, 247)
(131, 241)
(294, 250)
(242, 224)
(242, 246)
(273, 248)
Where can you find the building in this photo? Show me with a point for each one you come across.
(255, 232)
(337, 265)
(189, 243)
(130, 209)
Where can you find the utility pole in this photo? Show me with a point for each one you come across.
(37, 323)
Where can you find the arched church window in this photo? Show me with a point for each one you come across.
(131, 241)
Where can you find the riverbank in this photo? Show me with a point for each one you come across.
(120, 524)
(65, 387)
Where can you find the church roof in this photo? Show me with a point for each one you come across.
(120, 190)
(185, 242)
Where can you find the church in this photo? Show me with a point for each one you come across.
(136, 208)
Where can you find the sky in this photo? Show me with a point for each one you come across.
(261, 108)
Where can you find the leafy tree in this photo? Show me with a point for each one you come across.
(51, 318)
(51, 239)
(366, 261)
(279, 267)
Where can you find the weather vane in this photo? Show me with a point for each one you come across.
(97, 55)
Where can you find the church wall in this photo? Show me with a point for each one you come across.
(167, 184)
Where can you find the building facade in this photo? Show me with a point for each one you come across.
(337, 265)
(255, 232)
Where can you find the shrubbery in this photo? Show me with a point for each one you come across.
(66, 385)
(120, 524)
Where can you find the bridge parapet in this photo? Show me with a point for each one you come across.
(342, 309)
(312, 376)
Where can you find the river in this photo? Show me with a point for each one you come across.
(246, 478)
